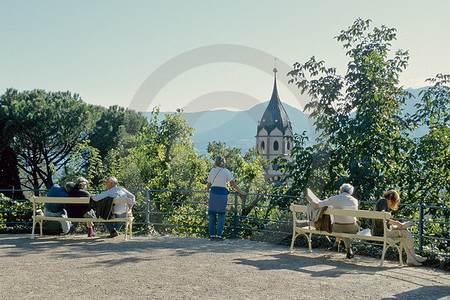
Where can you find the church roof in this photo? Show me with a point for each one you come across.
(275, 115)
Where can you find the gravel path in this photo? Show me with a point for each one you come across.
(168, 267)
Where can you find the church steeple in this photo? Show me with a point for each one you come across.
(272, 133)
(275, 115)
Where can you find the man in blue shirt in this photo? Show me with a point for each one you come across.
(58, 209)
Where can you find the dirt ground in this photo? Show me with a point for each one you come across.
(168, 267)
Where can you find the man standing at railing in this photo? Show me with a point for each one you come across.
(58, 209)
(344, 224)
(119, 210)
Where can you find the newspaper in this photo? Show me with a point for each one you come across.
(405, 225)
(312, 198)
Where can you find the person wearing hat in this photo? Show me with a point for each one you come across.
(58, 209)
(81, 210)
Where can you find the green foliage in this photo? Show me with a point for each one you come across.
(115, 126)
(428, 175)
(164, 155)
(84, 161)
(44, 127)
(14, 211)
(362, 138)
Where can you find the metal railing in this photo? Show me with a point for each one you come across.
(257, 216)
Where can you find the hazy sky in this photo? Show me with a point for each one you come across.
(200, 54)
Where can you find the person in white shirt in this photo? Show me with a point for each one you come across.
(218, 197)
(119, 210)
(343, 224)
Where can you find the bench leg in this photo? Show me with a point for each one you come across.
(32, 230)
(294, 236)
(126, 231)
(40, 227)
(309, 236)
(400, 254)
(383, 254)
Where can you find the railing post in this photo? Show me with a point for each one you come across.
(235, 233)
(421, 207)
(147, 211)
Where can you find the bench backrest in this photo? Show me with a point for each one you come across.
(73, 200)
(369, 214)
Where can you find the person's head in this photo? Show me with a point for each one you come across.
(69, 187)
(82, 183)
(219, 161)
(393, 199)
(111, 182)
(346, 188)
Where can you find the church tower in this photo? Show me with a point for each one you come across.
(272, 131)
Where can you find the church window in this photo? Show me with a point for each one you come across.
(275, 146)
(262, 145)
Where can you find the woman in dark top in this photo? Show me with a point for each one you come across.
(81, 210)
(389, 202)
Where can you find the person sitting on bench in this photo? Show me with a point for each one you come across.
(58, 209)
(119, 210)
(343, 224)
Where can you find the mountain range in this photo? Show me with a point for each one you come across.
(238, 128)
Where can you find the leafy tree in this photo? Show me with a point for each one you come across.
(427, 178)
(44, 128)
(9, 173)
(358, 116)
(85, 161)
(162, 157)
(115, 125)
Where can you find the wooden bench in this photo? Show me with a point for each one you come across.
(303, 226)
(80, 200)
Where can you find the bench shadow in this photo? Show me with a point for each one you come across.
(320, 266)
(77, 247)
(432, 292)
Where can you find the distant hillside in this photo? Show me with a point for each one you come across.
(238, 128)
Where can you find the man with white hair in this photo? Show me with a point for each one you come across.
(119, 210)
(343, 224)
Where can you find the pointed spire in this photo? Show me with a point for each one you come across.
(275, 115)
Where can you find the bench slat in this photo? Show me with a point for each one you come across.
(369, 214)
(73, 200)
(38, 218)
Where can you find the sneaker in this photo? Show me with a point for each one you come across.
(413, 262)
(334, 248)
(113, 234)
(419, 258)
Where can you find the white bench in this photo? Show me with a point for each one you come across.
(309, 230)
(128, 220)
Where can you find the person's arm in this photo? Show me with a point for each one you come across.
(396, 223)
(208, 186)
(100, 196)
(129, 195)
(233, 184)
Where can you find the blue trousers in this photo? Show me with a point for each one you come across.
(220, 218)
(117, 226)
